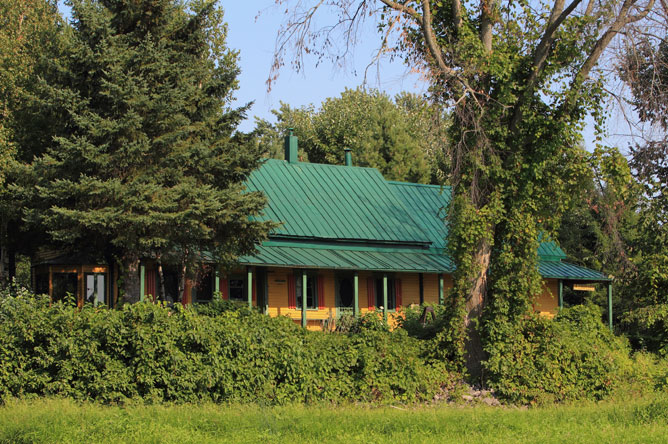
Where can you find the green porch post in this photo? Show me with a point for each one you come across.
(356, 293)
(385, 296)
(421, 283)
(304, 291)
(610, 305)
(250, 287)
(561, 294)
(216, 281)
(142, 276)
(441, 297)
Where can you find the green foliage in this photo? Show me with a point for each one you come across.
(404, 138)
(572, 357)
(47, 421)
(220, 353)
(144, 159)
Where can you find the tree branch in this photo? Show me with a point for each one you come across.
(622, 20)
(557, 17)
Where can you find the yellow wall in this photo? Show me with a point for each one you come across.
(547, 303)
(277, 280)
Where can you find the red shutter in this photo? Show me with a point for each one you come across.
(254, 285)
(397, 290)
(224, 289)
(150, 284)
(292, 292)
(371, 292)
(321, 292)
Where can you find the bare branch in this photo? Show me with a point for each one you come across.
(555, 20)
(622, 20)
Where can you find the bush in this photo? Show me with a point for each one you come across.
(221, 352)
(572, 357)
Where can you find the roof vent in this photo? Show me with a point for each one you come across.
(348, 156)
(291, 147)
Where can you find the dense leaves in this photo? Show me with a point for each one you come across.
(145, 161)
(219, 352)
(403, 137)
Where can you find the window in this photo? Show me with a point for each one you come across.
(391, 293)
(237, 287)
(202, 291)
(311, 293)
(64, 284)
(95, 288)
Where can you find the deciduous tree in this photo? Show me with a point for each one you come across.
(520, 77)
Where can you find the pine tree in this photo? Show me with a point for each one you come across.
(148, 162)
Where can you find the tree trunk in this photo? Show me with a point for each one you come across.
(161, 295)
(474, 352)
(3, 252)
(131, 280)
(182, 282)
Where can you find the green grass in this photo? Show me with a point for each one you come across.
(60, 421)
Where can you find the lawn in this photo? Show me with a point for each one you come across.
(60, 421)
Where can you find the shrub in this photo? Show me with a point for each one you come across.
(572, 357)
(222, 352)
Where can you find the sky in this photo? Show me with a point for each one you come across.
(252, 29)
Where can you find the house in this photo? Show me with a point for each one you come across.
(350, 242)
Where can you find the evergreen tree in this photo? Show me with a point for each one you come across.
(26, 36)
(147, 162)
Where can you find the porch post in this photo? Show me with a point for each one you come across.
(561, 294)
(356, 293)
(216, 281)
(304, 291)
(421, 281)
(385, 296)
(441, 298)
(142, 276)
(250, 287)
(610, 305)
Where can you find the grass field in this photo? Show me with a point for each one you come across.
(58, 421)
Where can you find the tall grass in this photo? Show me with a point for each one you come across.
(64, 421)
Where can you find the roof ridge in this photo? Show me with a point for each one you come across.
(424, 185)
(315, 164)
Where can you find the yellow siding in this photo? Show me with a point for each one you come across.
(410, 288)
(547, 303)
(277, 279)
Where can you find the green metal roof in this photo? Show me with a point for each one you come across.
(349, 257)
(351, 218)
(564, 270)
(428, 204)
(317, 201)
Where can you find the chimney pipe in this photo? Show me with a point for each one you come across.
(348, 157)
(291, 147)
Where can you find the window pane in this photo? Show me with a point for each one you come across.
(100, 289)
(64, 283)
(237, 289)
(391, 293)
(311, 293)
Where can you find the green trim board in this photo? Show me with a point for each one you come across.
(299, 256)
